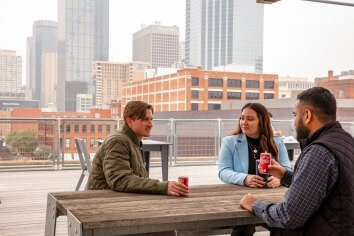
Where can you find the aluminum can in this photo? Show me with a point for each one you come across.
(264, 162)
(183, 180)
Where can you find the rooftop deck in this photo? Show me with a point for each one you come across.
(23, 195)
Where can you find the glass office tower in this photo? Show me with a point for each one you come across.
(224, 32)
(83, 37)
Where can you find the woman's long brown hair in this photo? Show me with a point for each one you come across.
(266, 135)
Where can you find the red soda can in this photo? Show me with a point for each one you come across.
(264, 162)
(183, 180)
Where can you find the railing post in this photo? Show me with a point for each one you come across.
(172, 140)
(218, 141)
(59, 146)
(118, 124)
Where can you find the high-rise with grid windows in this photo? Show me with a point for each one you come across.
(157, 45)
(109, 77)
(10, 75)
(224, 32)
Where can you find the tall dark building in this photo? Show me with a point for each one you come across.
(83, 37)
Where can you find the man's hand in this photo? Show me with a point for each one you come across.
(254, 181)
(273, 182)
(247, 201)
(276, 169)
(177, 189)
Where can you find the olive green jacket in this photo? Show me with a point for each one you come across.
(118, 165)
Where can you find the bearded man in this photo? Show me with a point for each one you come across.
(320, 198)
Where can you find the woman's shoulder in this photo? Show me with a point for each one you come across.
(278, 140)
(232, 138)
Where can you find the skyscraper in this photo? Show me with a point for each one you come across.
(83, 37)
(222, 32)
(10, 75)
(43, 40)
(181, 51)
(156, 44)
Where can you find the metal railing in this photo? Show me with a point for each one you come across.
(49, 142)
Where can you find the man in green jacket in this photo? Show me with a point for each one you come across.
(118, 163)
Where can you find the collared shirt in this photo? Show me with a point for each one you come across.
(316, 173)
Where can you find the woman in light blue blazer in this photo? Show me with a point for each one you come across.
(239, 151)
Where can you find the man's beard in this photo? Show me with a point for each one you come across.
(301, 131)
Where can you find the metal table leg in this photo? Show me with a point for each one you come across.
(51, 216)
(164, 162)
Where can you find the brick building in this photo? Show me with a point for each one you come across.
(342, 86)
(92, 126)
(197, 89)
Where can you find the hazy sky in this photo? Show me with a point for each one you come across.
(300, 38)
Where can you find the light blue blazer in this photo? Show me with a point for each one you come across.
(233, 158)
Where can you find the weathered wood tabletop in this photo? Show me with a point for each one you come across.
(104, 212)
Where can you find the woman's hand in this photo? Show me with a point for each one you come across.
(273, 182)
(254, 181)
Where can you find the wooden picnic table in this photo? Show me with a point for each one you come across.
(105, 212)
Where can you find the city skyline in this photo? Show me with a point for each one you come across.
(307, 46)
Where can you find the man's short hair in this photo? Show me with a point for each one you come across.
(136, 110)
(321, 102)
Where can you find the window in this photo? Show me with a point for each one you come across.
(92, 142)
(233, 95)
(215, 94)
(269, 84)
(269, 96)
(99, 129)
(108, 128)
(194, 106)
(84, 128)
(92, 128)
(212, 106)
(115, 127)
(252, 84)
(68, 128)
(234, 83)
(195, 94)
(212, 82)
(195, 81)
(341, 93)
(67, 143)
(76, 128)
(252, 96)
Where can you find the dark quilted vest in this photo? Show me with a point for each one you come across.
(336, 213)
